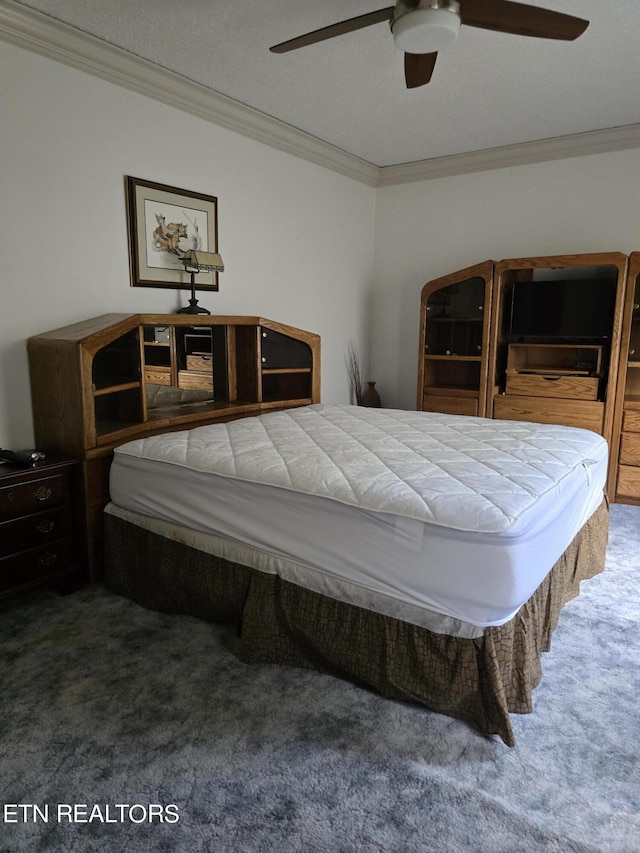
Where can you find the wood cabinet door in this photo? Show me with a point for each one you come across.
(454, 337)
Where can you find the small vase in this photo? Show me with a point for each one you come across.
(370, 397)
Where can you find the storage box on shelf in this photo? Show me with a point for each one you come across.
(117, 377)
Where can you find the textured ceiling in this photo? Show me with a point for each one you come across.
(489, 90)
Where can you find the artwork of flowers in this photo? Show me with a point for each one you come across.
(164, 223)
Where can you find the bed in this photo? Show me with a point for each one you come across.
(423, 555)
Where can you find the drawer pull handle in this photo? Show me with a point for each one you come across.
(43, 493)
(45, 526)
(48, 558)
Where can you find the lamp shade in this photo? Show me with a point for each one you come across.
(426, 30)
(196, 260)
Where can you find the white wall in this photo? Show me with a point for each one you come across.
(297, 240)
(428, 229)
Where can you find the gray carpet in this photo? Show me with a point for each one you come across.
(105, 704)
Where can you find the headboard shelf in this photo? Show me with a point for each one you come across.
(110, 379)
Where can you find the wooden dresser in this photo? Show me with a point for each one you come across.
(38, 530)
(473, 360)
(627, 424)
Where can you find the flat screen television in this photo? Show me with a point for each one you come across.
(563, 308)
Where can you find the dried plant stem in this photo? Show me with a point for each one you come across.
(353, 371)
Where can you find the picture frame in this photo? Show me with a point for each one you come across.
(164, 222)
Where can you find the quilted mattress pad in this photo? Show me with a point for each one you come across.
(463, 473)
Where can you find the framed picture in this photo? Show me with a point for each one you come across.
(164, 223)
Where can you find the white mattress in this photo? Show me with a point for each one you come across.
(445, 521)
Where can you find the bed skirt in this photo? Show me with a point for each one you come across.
(479, 680)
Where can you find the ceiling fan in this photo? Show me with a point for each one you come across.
(423, 27)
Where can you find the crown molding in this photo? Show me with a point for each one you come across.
(55, 40)
(558, 148)
(37, 32)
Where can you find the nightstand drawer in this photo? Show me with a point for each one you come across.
(31, 530)
(34, 564)
(31, 496)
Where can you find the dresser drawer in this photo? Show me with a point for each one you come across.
(630, 448)
(628, 485)
(31, 496)
(578, 413)
(200, 362)
(631, 421)
(196, 381)
(31, 530)
(450, 405)
(157, 375)
(540, 385)
(40, 563)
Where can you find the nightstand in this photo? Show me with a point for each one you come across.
(38, 542)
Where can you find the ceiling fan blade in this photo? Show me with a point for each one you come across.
(334, 30)
(505, 16)
(418, 68)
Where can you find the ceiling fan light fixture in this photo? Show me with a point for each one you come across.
(426, 30)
